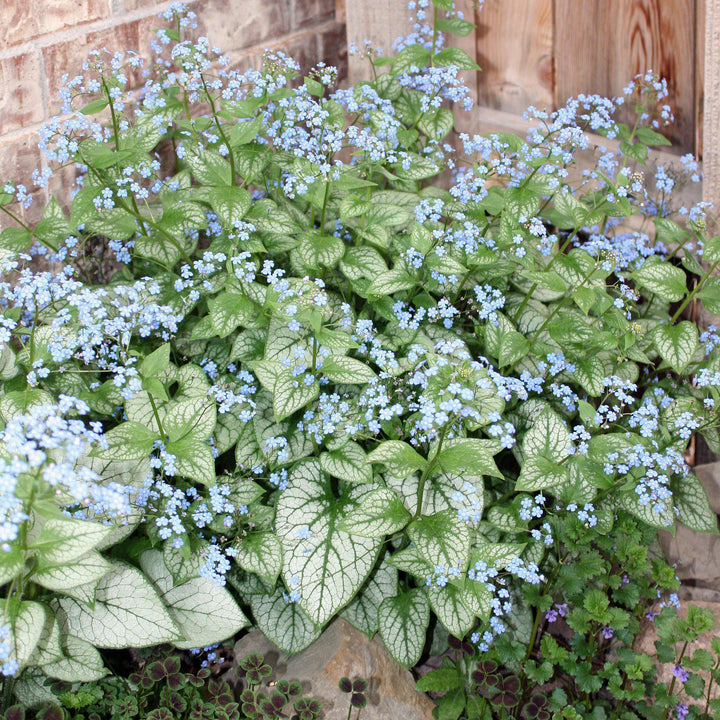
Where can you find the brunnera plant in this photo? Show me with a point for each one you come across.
(286, 356)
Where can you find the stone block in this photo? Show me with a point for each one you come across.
(709, 475)
(343, 651)
(696, 556)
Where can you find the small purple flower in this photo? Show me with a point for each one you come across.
(551, 616)
(680, 673)
(562, 609)
(681, 711)
(608, 632)
(651, 615)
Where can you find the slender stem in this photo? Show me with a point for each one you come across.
(672, 683)
(15, 218)
(221, 131)
(555, 311)
(157, 416)
(695, 291)
(325, 201)
(426, 474)
(710, 682)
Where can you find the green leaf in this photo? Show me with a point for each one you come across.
(693, 505)
(260, 553)
(469, 456)
(347, 463)
(15, 239)
(127, 613)
(362, 262)
(193, 459)
(228, 310)
(710, 292)
(362, 612)
(410, 561)
(63, 541)
(207, 165)
(442, 539)
(282, 622)
(205, 613)
(411, 56)
(454, 26)
(436, 125)
(403, 622)
(389, 282)
(455, 56)
(81, 662)
(590, 373)
(451, 705)
(85, 570)
(677, 343)
(453, 613)
(329, 566)
(399, 458)
(26, 621)
(230, 204)
(54, 227)
(440, 680)
(128, 441)
(289, 394)
(378, 513)
(156, 362)
(243, 133)
(320, 251)
(545, 446)
(347, 371)
(650, 137)
(661, 278)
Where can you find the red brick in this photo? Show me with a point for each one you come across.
(19, 156)
(23, 20)
(123, 6)
(68, 56)
(20, 92)
(303, 50)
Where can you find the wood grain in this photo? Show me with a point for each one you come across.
(515, 52)
(699, 74)
(601, 44)
(467, 121)
(380, 21)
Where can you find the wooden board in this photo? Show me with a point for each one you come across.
(711, 106)
(380, 21)
(515, 52)
(601, 44)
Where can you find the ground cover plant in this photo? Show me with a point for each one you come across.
(281, 371)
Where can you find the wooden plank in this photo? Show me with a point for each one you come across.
(467, 121)
(340, 11)
(699, 74)
(711, 104)
(381, 22)
(608, 42)
(515, 52)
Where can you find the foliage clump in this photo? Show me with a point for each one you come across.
(286, 373)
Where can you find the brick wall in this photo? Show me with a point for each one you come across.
(40, 40)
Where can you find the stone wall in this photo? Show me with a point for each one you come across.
(40, 40)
